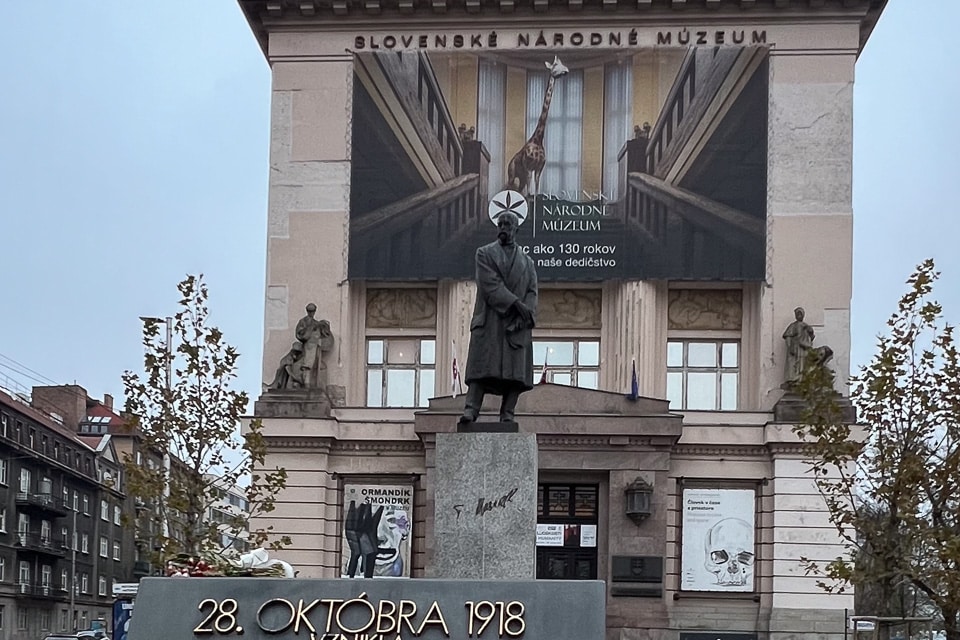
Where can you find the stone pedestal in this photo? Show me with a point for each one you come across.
(791, 407)
(298, 403)
(485, 506)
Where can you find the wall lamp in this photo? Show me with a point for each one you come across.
(638, 494)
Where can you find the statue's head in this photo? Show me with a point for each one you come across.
(311, 309)
(798, 313)
(507, 225)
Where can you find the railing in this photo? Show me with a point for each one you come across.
(44, 501)
(50, 544)
(37, 590)
(401, 232)
(415, 86)
(687, 105)
(674, 223)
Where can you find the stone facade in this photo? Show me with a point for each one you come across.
(599, 439)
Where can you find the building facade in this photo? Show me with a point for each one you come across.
(695, 190)
(60, 517)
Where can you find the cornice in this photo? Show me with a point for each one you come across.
(264, 15)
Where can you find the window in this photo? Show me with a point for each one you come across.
(571, 362)
(105, 511)
(3, 472)
(33, 438)
(65, 537)
(491, 117)
(63, 619)
(617, 121)
(46, 576)
(23, 527)
(56, 450)
(24, 577)
(3, 520)
(703, 374)
(83, 619)
(86, 505)
(562, 139)
(25, 480)
(116, 514)
(66, 496)
(101, 586)
(3, 426)
(46, 532)
(3, 568)
(116, 550)
(400, 372)
(64, 580)
(1, 611)
(104, 547)
(76, 501)
(85, 584)
(21, 618)
(84, 544)
(44, 620)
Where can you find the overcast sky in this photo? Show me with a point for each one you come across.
(133, 150)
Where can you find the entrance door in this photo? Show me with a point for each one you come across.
(567, 531)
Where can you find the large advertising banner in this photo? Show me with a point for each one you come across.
(717, 551)
(644, 163)
(377, 531)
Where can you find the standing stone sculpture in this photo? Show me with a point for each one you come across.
(317, 339)
(303, 367)
(500, 358)
(799, 338)
(801, 354)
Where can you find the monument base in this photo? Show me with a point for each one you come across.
(294, 403)
(488, 427)
(791, 407)
(485, 505)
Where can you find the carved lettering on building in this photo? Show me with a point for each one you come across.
(551, 39)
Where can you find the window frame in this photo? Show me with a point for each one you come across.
(384, 367)
(575, 369)
(719, 338)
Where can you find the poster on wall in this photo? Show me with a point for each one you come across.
(377, 531)
(619, 162)
(718, 550)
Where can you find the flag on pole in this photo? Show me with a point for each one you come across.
(543, 374)
(634, 383)
(456, 384)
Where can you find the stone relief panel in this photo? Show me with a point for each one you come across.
(569, 309)
(401, 308)
(705, 309)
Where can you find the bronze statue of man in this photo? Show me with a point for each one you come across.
(500, 359)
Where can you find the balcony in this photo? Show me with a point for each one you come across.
(49, 545)
(28, 590)
(44, 504)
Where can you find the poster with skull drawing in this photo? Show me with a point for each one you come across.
(718, 540)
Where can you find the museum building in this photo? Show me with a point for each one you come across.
(682, 172)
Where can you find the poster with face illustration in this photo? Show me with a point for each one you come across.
(377, 531)
(718, 547)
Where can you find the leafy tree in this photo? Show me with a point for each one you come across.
(893, 491)
(195, 418)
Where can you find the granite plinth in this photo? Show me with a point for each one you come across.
(485, 517)
(791, 407)
(293, 403)
(301, 609)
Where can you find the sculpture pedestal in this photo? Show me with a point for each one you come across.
(294, 403)
(791, 407)
(485, 517)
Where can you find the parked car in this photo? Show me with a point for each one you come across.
(61, 636)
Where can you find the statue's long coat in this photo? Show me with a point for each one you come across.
(501, 355)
